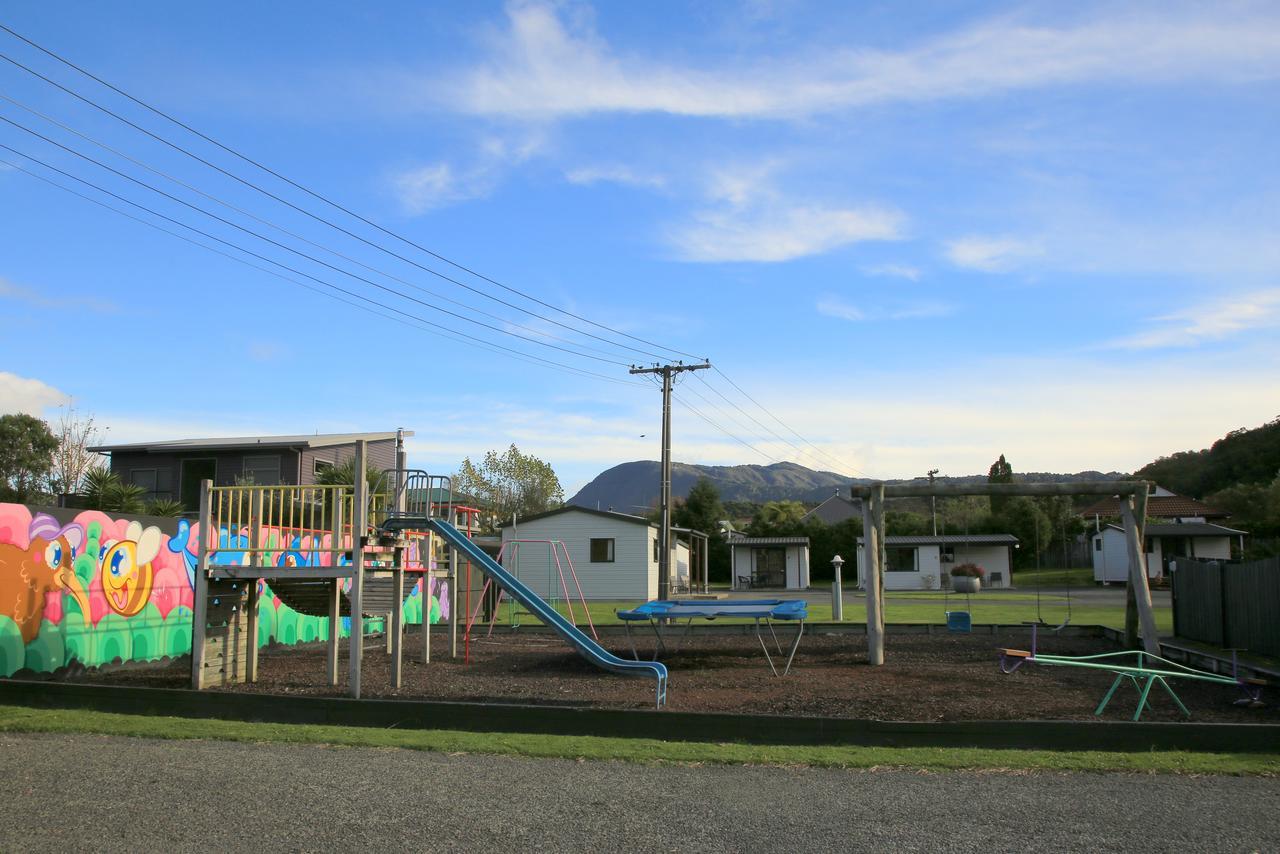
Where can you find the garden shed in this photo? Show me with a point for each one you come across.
(925, 562)
(769, 562)
(1164, 543)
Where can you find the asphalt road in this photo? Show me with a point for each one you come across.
(81, 793)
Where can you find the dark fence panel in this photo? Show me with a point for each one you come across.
(1233, 605)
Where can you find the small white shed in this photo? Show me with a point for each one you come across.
(769, 562)
(615, 555)
(1164, 542)
(925, 562)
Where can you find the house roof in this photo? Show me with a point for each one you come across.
(309, 440)
(1186, 529)
(769, 541)
(574, 508)
(1160, 506)
(835, 509)
(951, 540)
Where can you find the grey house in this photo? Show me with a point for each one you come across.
(174, 469)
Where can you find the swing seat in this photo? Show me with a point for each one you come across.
(959, 621)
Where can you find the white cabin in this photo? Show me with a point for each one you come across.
(1164, 542)
(925, 562)
(614, 555)
(779, 563)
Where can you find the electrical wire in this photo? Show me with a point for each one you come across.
(455, 335)
(313, 194)
(281, 229)
(299, 253)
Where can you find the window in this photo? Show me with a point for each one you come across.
(321, 466)
(1097, 544)
(657, 555)
(263, 469)
(900, 560)
(602, 550)
(148, 480)
(1151, 545)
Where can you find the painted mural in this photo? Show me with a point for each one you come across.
(99, 590)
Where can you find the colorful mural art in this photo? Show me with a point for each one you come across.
(98, 590)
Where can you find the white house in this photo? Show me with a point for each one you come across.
(614, 555)
(925, 562)
(769, 562)
(1163, 543)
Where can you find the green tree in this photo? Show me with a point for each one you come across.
(27, 446)
(778, 518)
(1000, 472)
(507, 483)
(344, 474)
(103, 490)
(1023, 517)
(703, 511)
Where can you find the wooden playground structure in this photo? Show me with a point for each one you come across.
(314, 547)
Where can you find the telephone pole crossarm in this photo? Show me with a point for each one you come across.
(664, 529)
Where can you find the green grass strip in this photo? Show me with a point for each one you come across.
(16, 719)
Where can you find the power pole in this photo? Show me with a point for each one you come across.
(933, 503)
(664, 529)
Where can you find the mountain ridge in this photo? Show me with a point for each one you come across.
(634, 486)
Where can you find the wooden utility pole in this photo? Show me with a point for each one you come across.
(664, 529)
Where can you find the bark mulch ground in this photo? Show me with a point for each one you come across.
(938, 677)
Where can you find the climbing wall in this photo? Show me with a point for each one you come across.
(226, 634)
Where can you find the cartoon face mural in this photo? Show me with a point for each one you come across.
(126, 569)
(28, 574)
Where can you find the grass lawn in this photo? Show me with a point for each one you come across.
(913, 607)
(14, 719)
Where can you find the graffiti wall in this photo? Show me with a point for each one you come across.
(94, 589)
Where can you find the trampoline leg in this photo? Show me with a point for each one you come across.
(767, 657)
(769, 623)
(1110, 691)
(661, 647)
(794, 647)
(1164, 684)
(635, 653)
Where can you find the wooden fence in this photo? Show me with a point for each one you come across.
(1231, 605)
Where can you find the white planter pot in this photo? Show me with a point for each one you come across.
(965, 584)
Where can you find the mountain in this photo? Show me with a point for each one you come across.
(633, 487)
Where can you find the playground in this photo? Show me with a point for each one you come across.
(926, 677)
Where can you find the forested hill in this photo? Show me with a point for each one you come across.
(1241, 457)
(631, 487)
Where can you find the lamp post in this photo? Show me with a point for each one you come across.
(837, 595)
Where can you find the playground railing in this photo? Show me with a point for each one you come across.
(279, 525)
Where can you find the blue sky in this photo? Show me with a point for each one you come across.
(920, 235)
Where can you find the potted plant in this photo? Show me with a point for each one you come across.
(967, 578)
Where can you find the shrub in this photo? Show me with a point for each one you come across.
(968, 570)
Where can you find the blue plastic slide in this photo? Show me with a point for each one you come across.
(583, 643)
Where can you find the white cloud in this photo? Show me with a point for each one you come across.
(435, 185)
(624, 175)
(833, 306)
(545, 66)
(1208, 322)
(896, 271)
(768, 234)
(30, 396)
(18, 293)
(990, 254)
(836, 307)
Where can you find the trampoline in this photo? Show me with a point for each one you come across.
(766, 610)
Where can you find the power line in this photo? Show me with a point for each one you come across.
(301, 254)
(454, 334)
(311, 193)
(281, 229)
(784, 425)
